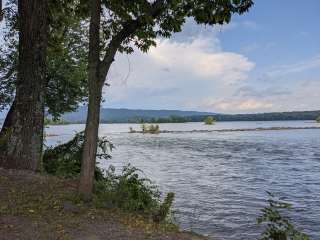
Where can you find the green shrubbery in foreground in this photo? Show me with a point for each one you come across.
(278, 227)
(127, 191)
(65, 160)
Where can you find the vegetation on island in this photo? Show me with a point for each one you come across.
(146, 128)
(209, 120)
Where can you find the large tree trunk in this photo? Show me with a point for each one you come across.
(93, 117)
(22, 134)
(1, 15)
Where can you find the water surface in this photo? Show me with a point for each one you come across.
(221, 178)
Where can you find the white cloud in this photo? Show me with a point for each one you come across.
(302, 66)
(198, 74)
(179, 70)
(235, 105)
(203, 59)
(301, 97)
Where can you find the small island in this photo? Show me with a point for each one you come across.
(209, 120)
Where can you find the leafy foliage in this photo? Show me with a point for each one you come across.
(153, 129)
(139, 23)
(278, 227)
(209, 120)
(165, 208)
(66, 57)
(65, 160)
(277, 116)
(318, 119)
(128, 191)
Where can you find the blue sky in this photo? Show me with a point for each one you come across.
(265, 60)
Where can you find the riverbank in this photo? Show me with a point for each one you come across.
(34, 206)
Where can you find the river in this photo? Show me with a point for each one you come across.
(221, 178)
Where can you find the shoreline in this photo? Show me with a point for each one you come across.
(41, 206)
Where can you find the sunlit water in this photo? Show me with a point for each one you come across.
(221, 178)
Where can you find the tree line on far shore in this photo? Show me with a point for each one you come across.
(276, 116)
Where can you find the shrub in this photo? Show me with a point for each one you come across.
(150, 129)
(318, 119)
(165, 208)
(129, 192)
(209, 120)
(65, 160)
(126, 191)
(278, 227)
(154, 128)
(144, 128)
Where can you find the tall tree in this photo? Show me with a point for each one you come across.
(21, 144)
(63, 81)
(121, 25)
(66, 73)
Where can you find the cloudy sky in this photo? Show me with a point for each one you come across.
(266, 60)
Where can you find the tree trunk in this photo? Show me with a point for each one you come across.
(1, 14)
(98, 71)
(93, 117)
(22, 134)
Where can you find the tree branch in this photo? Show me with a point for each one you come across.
(129, 27)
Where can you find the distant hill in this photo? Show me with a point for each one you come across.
(123, 115)
(109, 115)
(112, 115)
(273, 116)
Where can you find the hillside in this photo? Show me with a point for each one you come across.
(128, 115)
(111, 115)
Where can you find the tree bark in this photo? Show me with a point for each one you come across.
(1, 14)
(21, 136)
(93, 117)
(98, 71)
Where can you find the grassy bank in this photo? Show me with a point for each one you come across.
(34, 206)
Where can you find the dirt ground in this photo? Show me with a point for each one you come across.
(34, 206)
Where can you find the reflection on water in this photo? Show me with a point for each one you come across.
(220, 178)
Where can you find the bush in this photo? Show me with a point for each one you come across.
(318, 119)
(150, 129)
(278, 227)
(65, 160)
(131, 193)
(209, 120)
(127, 191)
